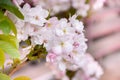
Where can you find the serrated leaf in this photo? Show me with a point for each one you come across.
(4, 77)
(7, 4)
(9, 49)
(22, 78)
(6, 24)
(2, 58)
(11, 39)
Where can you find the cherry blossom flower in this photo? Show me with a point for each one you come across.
(35, 15)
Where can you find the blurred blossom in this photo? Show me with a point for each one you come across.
(113, 3)
(91, 69)
(54, 6)
(81, 6)
(98, 4)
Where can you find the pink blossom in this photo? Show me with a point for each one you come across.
(51, 57)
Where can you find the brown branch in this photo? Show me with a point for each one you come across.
(17, 68)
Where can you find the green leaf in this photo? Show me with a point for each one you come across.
(1, 16)
(7, 4)
(13, 28)
(11, 39)
(2, 58)
(4, 77)
(6, 24)
(9, 49)
(22, 78)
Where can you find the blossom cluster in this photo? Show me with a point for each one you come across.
(67, 43)
(56, 6)
(89, 70)
(63, 38)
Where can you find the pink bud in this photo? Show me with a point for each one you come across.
(76, 45)
(51, 57)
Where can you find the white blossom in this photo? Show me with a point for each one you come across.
(66, 43)
(35, 15)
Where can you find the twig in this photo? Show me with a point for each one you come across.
(17, 68)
